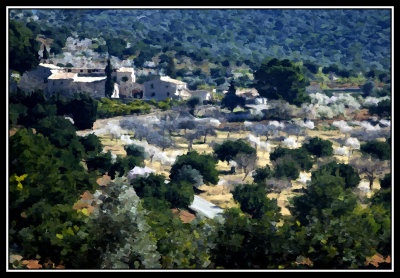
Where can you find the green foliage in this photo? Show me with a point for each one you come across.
(120, 237)
(83, 109)
(178, 194)
(101, 162)
(253, 200)
(326, 194)
(112, 108)
(386, 182)
(299, 155)
(277, 79)
(286, 167)
(241, 242)
(135, 150)
(123, 165)
(383, 109)
(204, 163)
(109, 81)
(319, 147)
(91, 143)
(192, 103)
(229, 149)
(345, 241)
(23, 49)
(377, 149)
(171, 71)
(231, 100)
(187, 173)
(43, 186)
(350, 175)
(261, 174)
(181, 245)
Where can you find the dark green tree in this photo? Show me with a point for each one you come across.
(228, 150)
(109, 87)
(83, 109)
(383, 109)
(192, 103)
(204, 163)
(319, 147)
(23, 48)
(45, 53)
(299, 155)
(231, 100)
(261, 174)
(253, 200)
(171, 71)
(277, 79)
(377, 149)
(287, 168)
(350, 175)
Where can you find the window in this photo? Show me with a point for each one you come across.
(166, 86)
(81, 70)
(152, 85)
(153, 94)
(168, 94)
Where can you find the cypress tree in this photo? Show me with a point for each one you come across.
(45, 53)
(109, 82)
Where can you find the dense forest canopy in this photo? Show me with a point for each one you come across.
(354, 38)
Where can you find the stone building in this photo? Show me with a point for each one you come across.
(203, 95)
(67, 81)
(164, 87)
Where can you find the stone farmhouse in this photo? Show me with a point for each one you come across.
(67, 81)
(164, 87)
